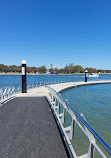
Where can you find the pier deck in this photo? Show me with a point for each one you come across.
(28, 130)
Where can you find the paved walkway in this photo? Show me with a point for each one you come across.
(42, 91)
(28, 130)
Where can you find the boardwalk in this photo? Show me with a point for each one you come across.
(28, 130)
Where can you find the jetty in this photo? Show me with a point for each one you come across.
(31, 124)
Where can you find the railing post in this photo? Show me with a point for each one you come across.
(91, 151)
(2, 95)
(73, 127)
(64, 111)
(72, 131)
(58, 110)
(55, 102)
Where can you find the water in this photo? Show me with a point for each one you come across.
(94, 101)
(15, 80)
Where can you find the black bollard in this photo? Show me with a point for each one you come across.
(24, 82)
(86, 75)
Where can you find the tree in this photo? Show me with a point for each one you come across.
(5, 69)
(61, 71)
(79, 69)
(2, 66)
(13, 68)
(42, 69)
(91, 70)
(70, 66)
(66, 69)
(56, 70)
(51, 70)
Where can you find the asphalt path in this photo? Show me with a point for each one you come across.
(28, 130)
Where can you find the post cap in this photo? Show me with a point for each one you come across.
(23, 62)
(86, 71)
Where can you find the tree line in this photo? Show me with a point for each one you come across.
(17, 69)
(68, 69)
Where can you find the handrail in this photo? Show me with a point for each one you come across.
(95, 134)
(86, 124)
(44, 83)
(7, 92)
(7, 87)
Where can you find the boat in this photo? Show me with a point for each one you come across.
(93, 75)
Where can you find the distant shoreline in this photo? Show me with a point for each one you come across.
(46, 74)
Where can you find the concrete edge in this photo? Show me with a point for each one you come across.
(78, 84)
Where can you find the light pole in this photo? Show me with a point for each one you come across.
(24, 84)
(86, 75)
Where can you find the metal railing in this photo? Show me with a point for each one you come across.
(56, 102)
(8, 92)
(44, 83)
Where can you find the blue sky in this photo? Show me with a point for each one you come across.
(57, 32)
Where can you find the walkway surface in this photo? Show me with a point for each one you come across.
(42, 91)
(28, 130)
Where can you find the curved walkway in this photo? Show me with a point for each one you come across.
(42, 91)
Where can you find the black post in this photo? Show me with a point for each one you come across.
(24, 84)
(86, 75)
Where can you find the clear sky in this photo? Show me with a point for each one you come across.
(57, 32)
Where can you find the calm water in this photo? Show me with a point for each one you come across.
(94, 101)
(15, 80)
